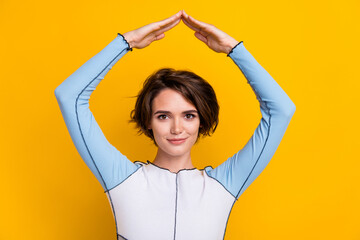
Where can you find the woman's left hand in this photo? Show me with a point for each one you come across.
(214, 38)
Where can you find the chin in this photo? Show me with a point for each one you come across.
(175, 151)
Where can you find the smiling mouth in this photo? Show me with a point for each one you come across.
(177, 141)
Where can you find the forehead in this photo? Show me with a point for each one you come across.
(170, 99)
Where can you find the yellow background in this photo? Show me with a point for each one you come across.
(309, 190)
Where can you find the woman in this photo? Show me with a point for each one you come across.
(169, 198)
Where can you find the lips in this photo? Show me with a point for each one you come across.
(177, 140)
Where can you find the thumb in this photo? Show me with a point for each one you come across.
(158, 37)
(200, 37)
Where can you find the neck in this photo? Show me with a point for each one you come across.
(173, 163)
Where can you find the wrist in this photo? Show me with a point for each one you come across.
(230, 46)
(128, 39)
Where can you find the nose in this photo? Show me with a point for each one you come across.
(176, 127)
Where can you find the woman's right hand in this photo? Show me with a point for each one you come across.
(142, 37)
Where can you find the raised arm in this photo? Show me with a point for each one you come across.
(240, 170)
(276, 108)
(109, 165)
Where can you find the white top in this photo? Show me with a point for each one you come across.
(153, 200)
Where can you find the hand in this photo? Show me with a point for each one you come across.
(214, 38)
(142, 37)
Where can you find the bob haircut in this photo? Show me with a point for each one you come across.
(194, 88)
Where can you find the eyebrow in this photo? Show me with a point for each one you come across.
(188, 111)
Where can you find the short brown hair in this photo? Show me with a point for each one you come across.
(194, 88)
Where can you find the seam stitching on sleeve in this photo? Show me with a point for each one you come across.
(262, 150)
(108, 190)
(220, 184)
(77, 117)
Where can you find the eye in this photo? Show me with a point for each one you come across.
(161, 117)
(189, 116)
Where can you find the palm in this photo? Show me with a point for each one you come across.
(213, 37)
(144, 36)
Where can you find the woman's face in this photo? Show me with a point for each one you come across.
(175, 123)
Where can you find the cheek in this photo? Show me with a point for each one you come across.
(160, 129)
(193, 128)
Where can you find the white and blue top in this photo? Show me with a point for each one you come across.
(150, 202)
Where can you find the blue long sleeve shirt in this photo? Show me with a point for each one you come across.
(150, 202)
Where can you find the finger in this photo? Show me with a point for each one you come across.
(158, 37)
(169, 26)
(157, 26)
(185, 18)
(170, 19)
(184, 14)
(158, 32)
(161, 31)
(197, 23)
(201, 37)
(189, 25)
